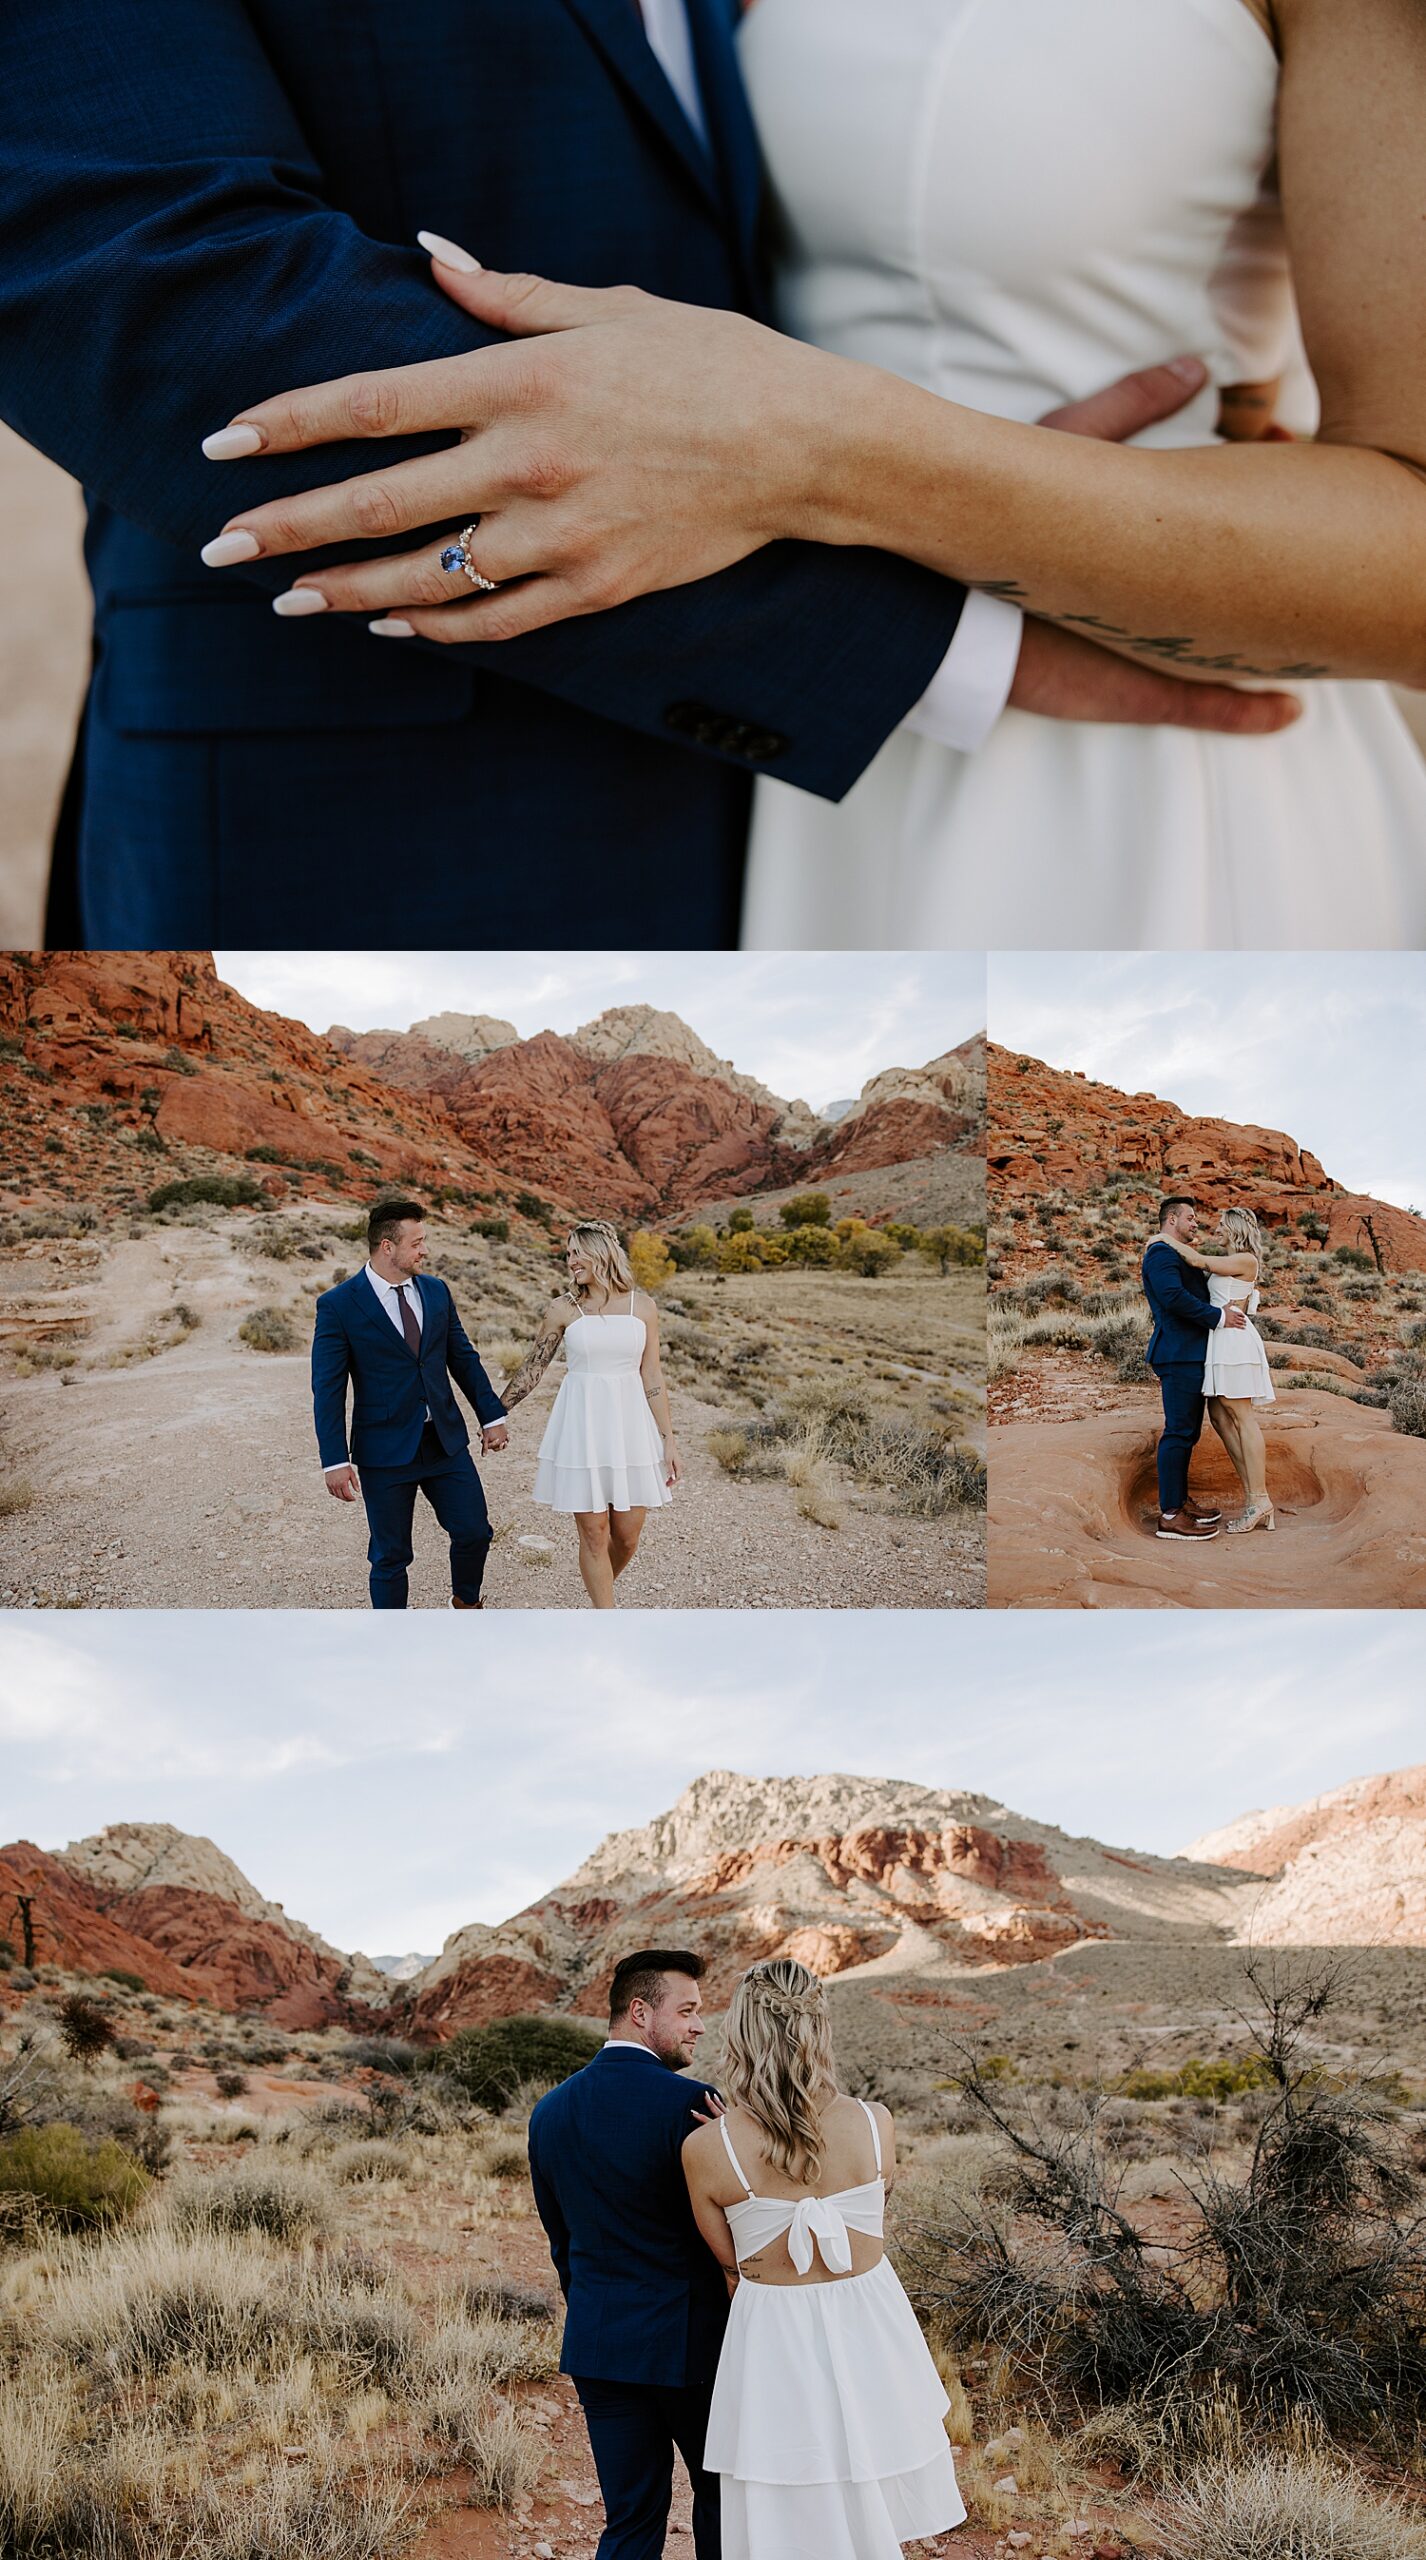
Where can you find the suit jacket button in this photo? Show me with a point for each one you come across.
(756, 746)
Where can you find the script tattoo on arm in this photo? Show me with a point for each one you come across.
(532, 1368)
(1171, 649)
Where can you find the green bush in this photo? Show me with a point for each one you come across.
(808, 1209)
(814, 1245)
(1218, 2081)
(225, 1190)
(491, 2063)
(75, 2181)
(130, 1981)
(1353, 1257)
(268, 1329)
(528, 1204)
(497, 1229)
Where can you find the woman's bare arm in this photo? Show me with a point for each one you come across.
(651, 1372)
(537, 1359)
(1243, 559)
(1229, 1266)
(698, 2169)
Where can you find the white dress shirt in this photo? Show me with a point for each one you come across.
(971, 686)
(389, 1295)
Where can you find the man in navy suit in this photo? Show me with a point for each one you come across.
(206, 202)
(1183, 1318)
(395, 1334)
(645, 2301)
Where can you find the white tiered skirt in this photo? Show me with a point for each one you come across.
(1235, 1364)
(601, 1446)
(828, 2424)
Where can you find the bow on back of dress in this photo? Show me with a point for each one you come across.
(817, 2221)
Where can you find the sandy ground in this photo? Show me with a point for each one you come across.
(190, 1480)
(44, 651)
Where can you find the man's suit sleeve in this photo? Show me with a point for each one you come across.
(331, 1366)
(464, 1364)
(547, 2207)
(1174, 1300)
(167, 257)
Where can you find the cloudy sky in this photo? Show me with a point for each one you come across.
(389, 1779)
(811, 1024)
(1326, 1046)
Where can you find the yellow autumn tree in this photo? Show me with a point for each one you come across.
(650, 1260)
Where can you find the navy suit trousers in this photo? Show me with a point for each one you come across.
(1181, 1386)
(453, 1490)
(633, 2429)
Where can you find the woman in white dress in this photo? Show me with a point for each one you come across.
(608, 1456)
(828, 2418)
(1236, 1376)
(991, 208)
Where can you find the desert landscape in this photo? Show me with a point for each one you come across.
(183, 1174)
(271, 2282)
(1076, 1170)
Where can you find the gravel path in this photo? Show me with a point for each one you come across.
(190, 1480)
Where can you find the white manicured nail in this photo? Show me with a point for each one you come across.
(447, 254)
(299, 600)
(226, 548)
(231, 443)
(393, 628)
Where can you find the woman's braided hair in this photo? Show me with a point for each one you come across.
(780, 2068)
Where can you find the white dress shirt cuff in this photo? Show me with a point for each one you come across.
(971, 686)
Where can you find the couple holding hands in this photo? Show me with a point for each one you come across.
(391, 1333)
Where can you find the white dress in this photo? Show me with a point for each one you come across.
(602, 1445)
(1235, 1363)
(1013, 202)
(828, 2415)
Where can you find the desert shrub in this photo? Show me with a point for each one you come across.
(1352, 1257)
(806, 1209)
(377, 2053)
(495, 2298)
(869, 1251)
(650, 1260)
(230, 2083)
(1299, 2290)
(1285, 2506)
(1218, 2081)
(317, 2513)
(491, 2063)
(74, 2181)
(359, 2163)
(1406, 1403)
(84, 2030)
(128, 1981)
(224, 1190)
(268, 1329)
(815, 1246)
(528, 1204)
(272, 2197)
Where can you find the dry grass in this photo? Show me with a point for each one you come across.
(16, 1496)
(1285, 2506)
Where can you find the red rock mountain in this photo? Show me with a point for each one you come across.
(120, 1070)
(861, 1878)
(851, 1875)
(633, 1112)
(156, 1902)
(1055, 1131)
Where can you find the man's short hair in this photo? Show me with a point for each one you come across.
(640, 1977)
(387, 1216)
(1180, 1200)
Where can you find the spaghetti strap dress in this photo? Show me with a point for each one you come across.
(602, 1448)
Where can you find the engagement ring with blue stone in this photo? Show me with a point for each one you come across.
(456, 556)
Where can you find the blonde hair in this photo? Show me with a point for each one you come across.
(1244, 1235)
(599, 1243)
(778, 2039)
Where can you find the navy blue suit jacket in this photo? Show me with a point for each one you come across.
(645, 2300)
(1183, 1316)
(203, 202)
(391, 1390)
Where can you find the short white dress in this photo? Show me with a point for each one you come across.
(602, 1446)
(828, 2416)
(1235, 1363)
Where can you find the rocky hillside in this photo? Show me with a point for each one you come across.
(121, 1071)
(870, 1880)
(1066, 1138)
(635, 1115)
(174, 1910)
(848, 1874)
(1347, 1869)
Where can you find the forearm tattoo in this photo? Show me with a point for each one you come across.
(532, 1368)
(1169, 649)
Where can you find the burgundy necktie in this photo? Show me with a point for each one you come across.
(409, 1326)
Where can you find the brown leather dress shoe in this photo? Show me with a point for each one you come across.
(1199, 1510)
(1182, 1524)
